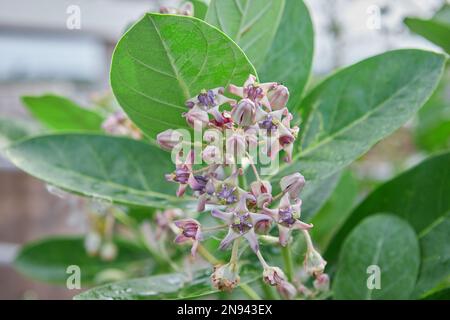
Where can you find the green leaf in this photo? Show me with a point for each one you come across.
(387, 242)
(345, 115)
(61, 114)
(420, 196)
(251, 23)
(329, 219)
(47, 260)
(291, 53)
(436, 30)
(316, 193)
(200, 8)
(166, 286)
(163, 60)
(116, 169)
(13, 130)
(433, 126)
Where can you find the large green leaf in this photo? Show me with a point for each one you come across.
(384, 241)
(335, 211)
(163, 60)
(116, 169)
(166, 286)
(436, 30)
(251, 23)
(350, 111)
(316, 193)
(61, 114)
(13, 130)
(48, 259)
(290, 58)
(420, 196)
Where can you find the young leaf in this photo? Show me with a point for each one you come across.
(436, 30)
(163, 60)
(116, 169)
(291, 53)
(379, 260)
(61, 114)
(47, 260)
(200, 8)
(166, 286)
(420, 196)
(349, 112)
(251, 23)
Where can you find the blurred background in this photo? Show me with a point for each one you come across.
(42, 51)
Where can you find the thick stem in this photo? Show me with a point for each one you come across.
(288, 263)
(207, 255)
(250, 292)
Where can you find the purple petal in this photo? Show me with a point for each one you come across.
(225, 216)
(229, 238)
(283, 235)
(252, 239)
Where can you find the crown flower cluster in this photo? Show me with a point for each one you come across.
(253, 122)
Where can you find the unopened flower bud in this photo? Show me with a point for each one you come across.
(186, 9)
(212, 154)
(260, 186)
(225, 277)
(314, 263)
(92, 243)
(278, 97)
(322, 282)
(286, 290)
(168, 139)
(274, 276)
(263, 226)
(196, 117)
(292, 184)
(243, 113)
(108, 251)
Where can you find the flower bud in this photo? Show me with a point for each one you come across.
(278, 97)
(274, 276)
(92, 243)
(287, 290)
(225, 277)
(196, 117)
(322, 282)
(263, 226)
(260, 187)
(212, 154)
(168, 139)
(108, 251)
(243, 113)
(292, 184)
(314, 263)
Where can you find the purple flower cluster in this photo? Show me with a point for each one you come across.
(247, 211)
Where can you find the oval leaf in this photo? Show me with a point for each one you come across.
(166, 286)
(163, 60)
(47, 260)
(385, 242)
(61, 114)
(420, 196)
(291, 53)
(116, 169)
(251, 23)
(358, 106)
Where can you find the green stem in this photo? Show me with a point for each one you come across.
(288, 264)
(250, 292)
(207, 255)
